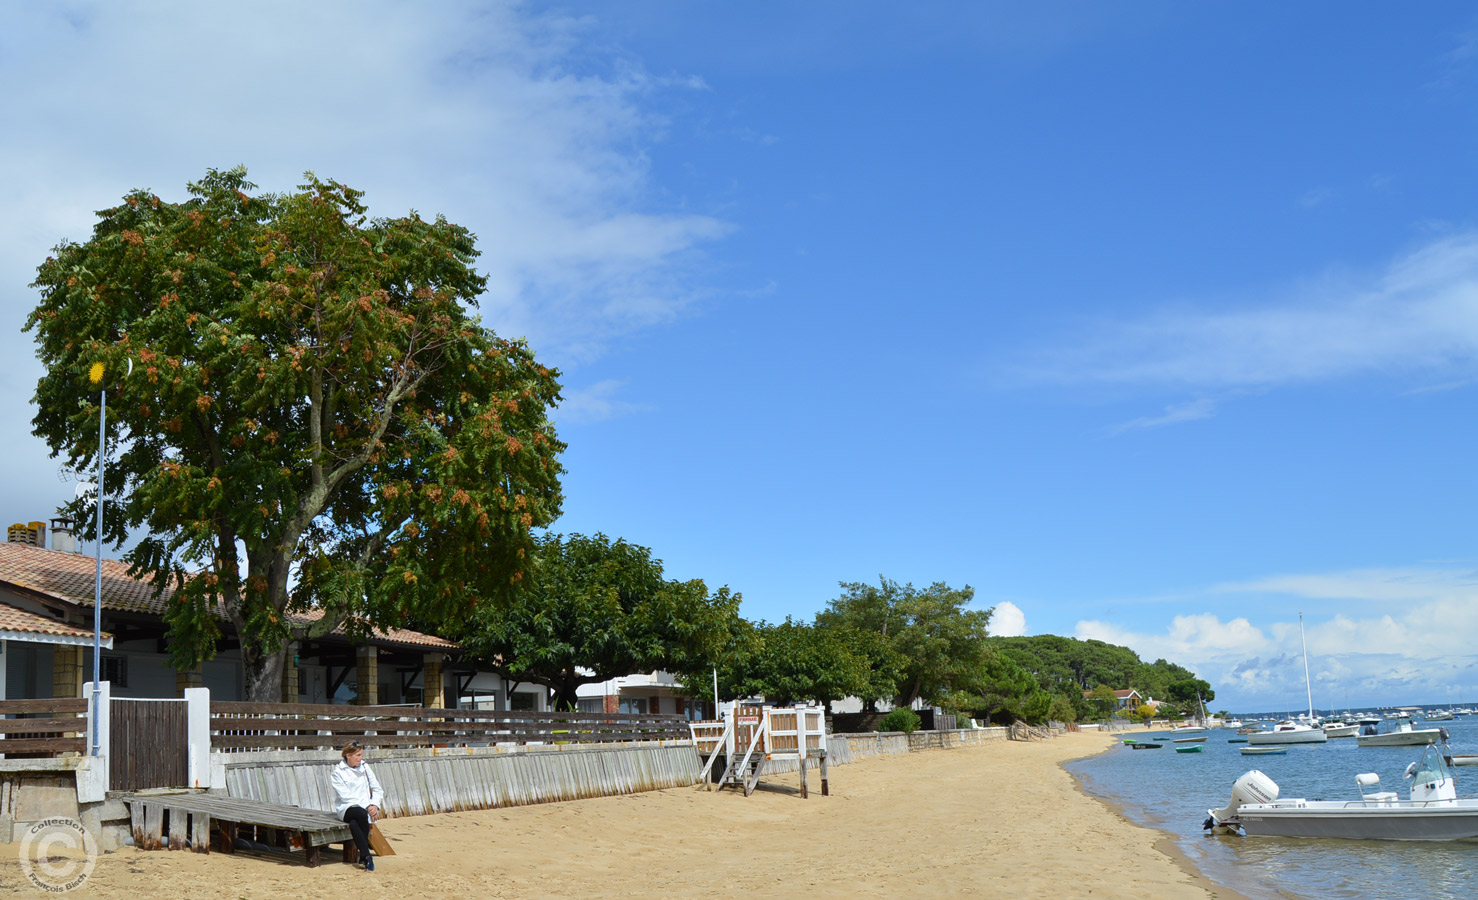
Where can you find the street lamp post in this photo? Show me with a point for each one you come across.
(97, 596)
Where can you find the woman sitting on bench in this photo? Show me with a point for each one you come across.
(359, 798)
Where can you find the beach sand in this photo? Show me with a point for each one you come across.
(999, 820)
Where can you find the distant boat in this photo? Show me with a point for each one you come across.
(1141, 745)
(1400, 734)
(1340, 729)
(1463, 759)
(1290, 732)
(1193, 748)
(1240, 740)
(1194, 740)
(1263, 751)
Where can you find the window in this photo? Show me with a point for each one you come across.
(115, 669)
(522, 700)
(591, 704)
(634, 705)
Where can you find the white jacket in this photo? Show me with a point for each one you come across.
(356, 787)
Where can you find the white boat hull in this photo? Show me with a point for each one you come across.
(1311, 736)
(1394, 820)
(1341, 731)
(1415, 737)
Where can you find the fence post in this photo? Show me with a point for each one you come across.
(197, 728)
(102, 711)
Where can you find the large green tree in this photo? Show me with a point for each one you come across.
(594, 609)
(934, 643)
(793, 661)
(294, 389)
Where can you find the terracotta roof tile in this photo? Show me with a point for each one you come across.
(391, 636)
(12, 619)
(71, 577)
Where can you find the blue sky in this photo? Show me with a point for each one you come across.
(1154, 323)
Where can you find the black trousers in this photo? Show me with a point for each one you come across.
(359, 826)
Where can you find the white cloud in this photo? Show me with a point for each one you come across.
(595, 403)
(1419, 314)
(1203, 408)
(1007, 620)
(1374, 636)
(502, 118)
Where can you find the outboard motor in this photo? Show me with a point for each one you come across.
(1252, 787)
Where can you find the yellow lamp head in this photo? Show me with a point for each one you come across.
(95, 374)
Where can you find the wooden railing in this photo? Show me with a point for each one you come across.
(294, 726)
(43, 727)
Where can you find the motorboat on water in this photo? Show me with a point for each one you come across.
(1263, 751)
(1433, 813)
(1191, 740)
(1399, 734)
(1289, 732)
(1341, 729)
(1463, 759)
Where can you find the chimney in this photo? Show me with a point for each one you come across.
(63, 538)
(33, 533)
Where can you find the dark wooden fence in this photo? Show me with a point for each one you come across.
(43, 728)
(292, 726)
(149, 744)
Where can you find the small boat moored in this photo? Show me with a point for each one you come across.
(1399, 734)
(1434, 812)
(1194, 740)
(1263, 751)
(1143, 745)
(1189, 748)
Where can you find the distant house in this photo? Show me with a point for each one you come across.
(649, 692)
(46, 639)
(1127, 700)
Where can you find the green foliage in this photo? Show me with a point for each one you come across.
(1069, 666)
(307, 385)
(793, 661)
(901, 719)
(924, 643)
(593, 609)
(1103, 699)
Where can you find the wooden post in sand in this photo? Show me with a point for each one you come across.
(825, 786)
(803, 754)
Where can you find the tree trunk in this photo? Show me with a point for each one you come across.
(566, 698)
(262, 674)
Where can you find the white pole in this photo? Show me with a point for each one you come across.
(715, 694)
(97, 596)
(1308, 685)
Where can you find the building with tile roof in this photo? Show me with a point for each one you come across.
(46, 636)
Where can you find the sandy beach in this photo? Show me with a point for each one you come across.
(1000, 820)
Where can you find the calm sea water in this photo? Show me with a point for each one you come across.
(1172, 791)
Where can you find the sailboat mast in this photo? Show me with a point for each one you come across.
(1308, 685)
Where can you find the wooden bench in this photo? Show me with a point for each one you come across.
(232, 823)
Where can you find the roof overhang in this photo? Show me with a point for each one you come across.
(64, 639)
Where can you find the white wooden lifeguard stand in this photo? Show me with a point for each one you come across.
(750, 735)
